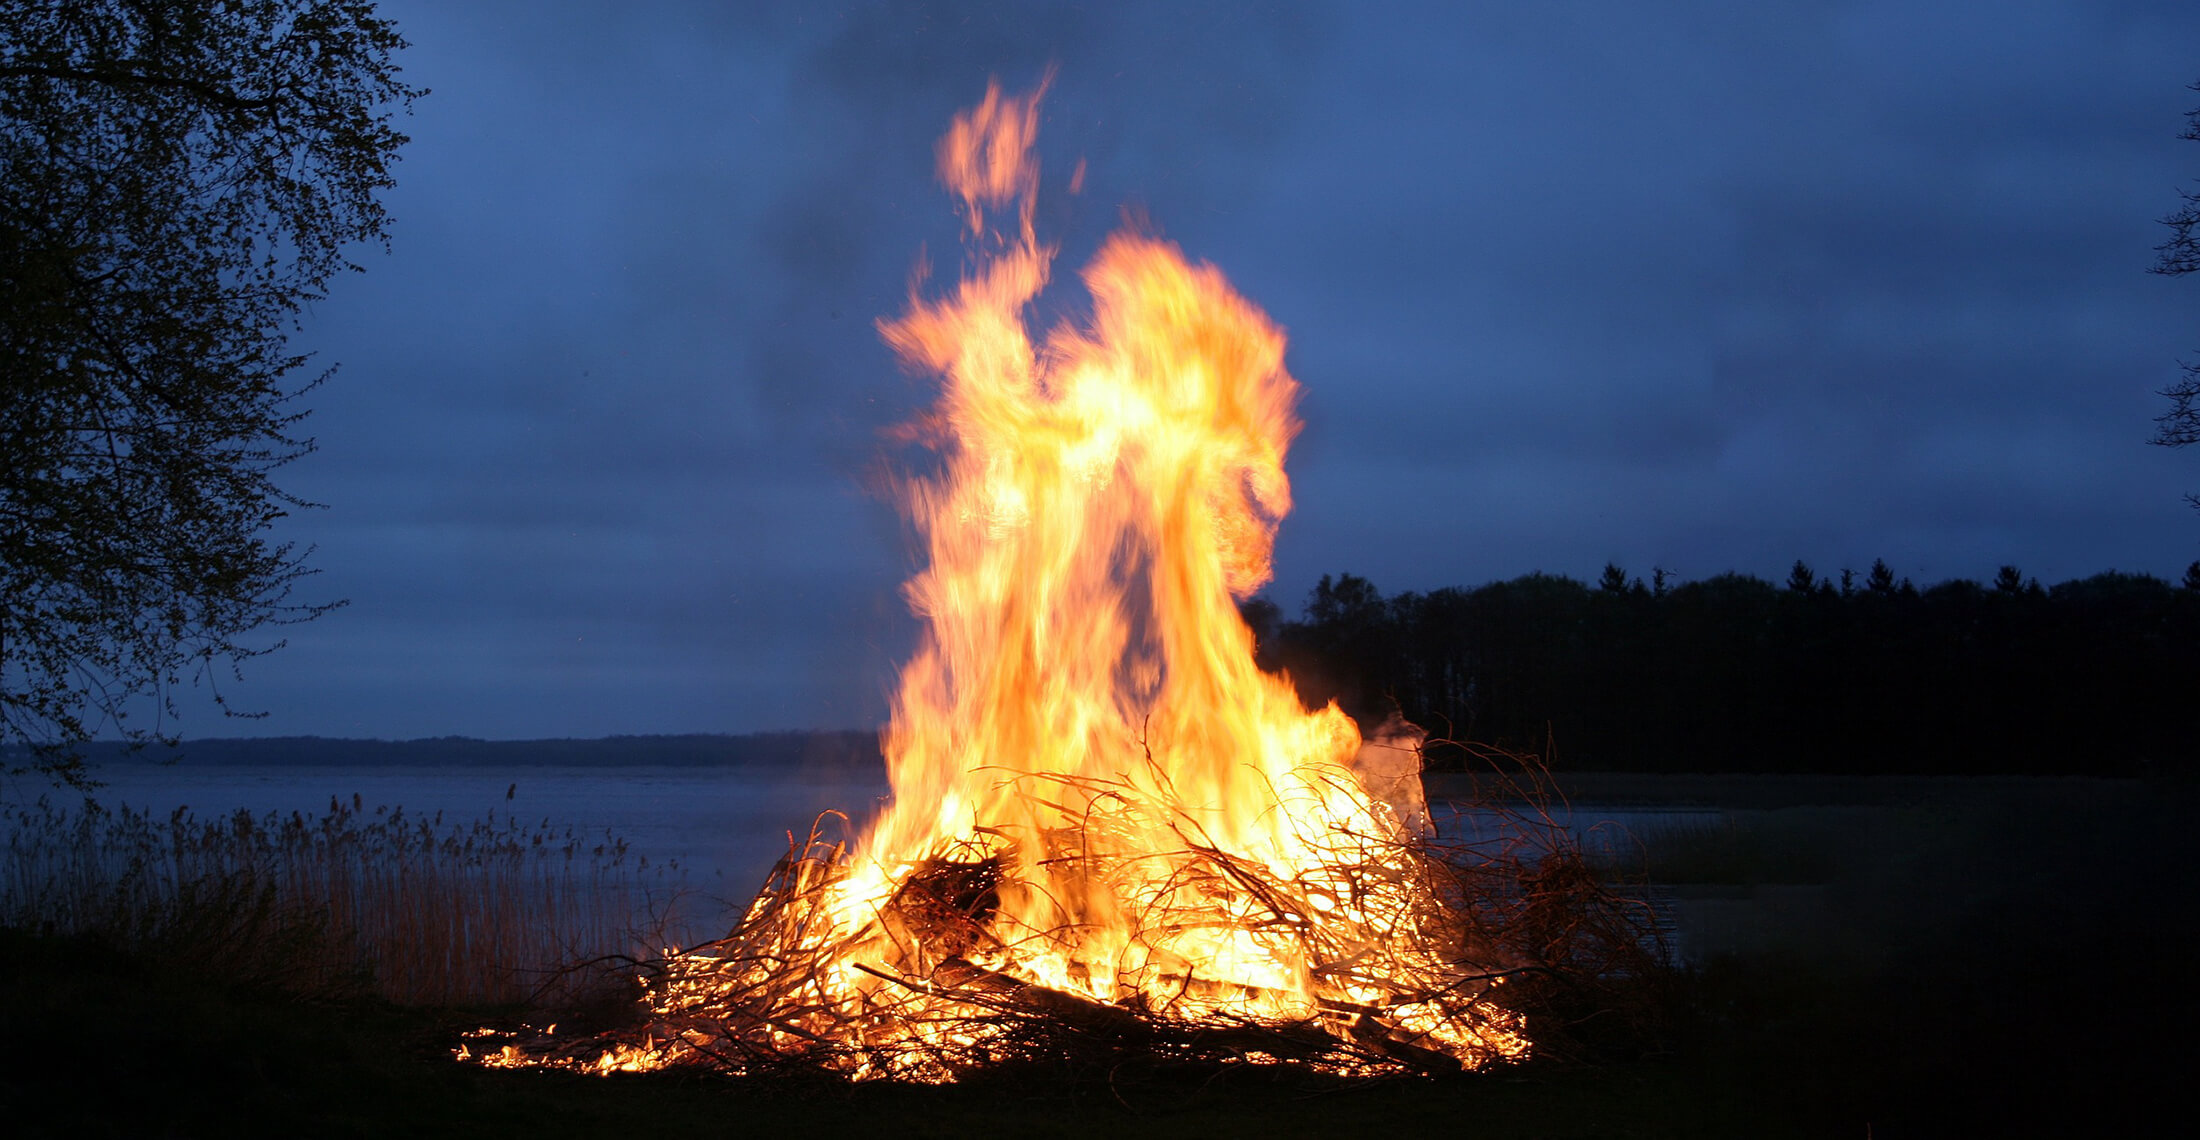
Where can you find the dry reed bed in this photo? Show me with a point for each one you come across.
(355, 900)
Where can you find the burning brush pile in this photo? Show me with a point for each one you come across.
(1111, 835)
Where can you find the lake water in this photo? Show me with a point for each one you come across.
(725, 826)
(1615, 832)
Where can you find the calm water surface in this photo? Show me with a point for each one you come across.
(721, 824)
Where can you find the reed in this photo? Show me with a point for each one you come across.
(356, 900)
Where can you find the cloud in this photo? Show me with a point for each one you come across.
(1703, 285)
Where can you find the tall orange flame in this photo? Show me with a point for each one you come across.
(1104, 498)
(1100, 803)
(1085, 707)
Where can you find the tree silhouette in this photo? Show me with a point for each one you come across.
(2180, 425)
(177, 181)
(1731, 673)
(1264, 618)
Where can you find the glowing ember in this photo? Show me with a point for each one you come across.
(1107, 823)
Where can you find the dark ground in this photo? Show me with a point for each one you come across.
(1880, 958)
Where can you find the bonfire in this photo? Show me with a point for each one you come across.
(1110, 832)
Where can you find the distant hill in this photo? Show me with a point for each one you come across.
(848, 749)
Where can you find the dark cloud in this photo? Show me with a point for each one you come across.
(1702, 285)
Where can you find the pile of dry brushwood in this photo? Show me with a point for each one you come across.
(1530, 934)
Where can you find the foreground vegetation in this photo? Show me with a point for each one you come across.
(1962, 957)
(352, 903)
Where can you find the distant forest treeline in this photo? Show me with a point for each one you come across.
(1733, 673)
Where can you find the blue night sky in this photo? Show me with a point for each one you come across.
(1702, 286)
